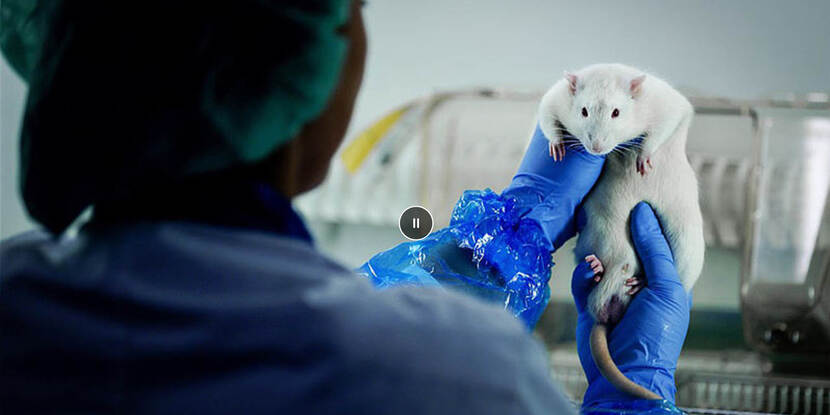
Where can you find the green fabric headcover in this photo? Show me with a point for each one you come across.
(124, 96)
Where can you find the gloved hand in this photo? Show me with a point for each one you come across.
(550, 191)
(498, 247)
(646, 343)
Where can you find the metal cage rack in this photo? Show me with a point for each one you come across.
(705, 392)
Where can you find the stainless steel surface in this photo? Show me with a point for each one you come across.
(785, 280)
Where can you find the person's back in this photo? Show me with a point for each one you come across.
(194, 288)
(178, 317)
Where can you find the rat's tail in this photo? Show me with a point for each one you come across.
(609, 370)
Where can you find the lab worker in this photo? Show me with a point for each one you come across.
(194, 287)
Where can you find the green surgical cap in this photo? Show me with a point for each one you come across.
(124, 96)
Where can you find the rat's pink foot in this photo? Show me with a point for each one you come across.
(644, 164)
(557, 151)
(596, 266)
(636, 285)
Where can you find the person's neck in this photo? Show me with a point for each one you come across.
(232, 198)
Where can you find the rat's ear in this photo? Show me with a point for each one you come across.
(636, 85)
(571, 82)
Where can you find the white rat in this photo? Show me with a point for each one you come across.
(601, 108)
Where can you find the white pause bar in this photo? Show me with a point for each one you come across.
(416, 223)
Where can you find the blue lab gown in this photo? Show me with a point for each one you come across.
(234, 311)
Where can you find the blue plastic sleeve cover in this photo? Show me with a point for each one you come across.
(498, 246)
(641, 406)
(487, 251)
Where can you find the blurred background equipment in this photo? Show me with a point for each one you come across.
(760, 334)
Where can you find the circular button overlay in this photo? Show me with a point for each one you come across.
(415, 223)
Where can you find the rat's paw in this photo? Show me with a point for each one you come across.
(636, 284)
(557, 151)
(644, 164)
(596, 266)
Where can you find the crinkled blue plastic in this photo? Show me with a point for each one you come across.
(488, 251)
(646, 407)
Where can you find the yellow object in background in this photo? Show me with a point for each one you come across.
(355, 153)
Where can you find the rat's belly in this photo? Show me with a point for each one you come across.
(671, 189)
(606, 236)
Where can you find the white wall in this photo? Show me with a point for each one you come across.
(739, 48)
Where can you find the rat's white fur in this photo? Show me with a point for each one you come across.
(664, 115)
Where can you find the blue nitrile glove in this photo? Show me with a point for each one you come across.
(551, 191)
(498, 247)
(646, 343)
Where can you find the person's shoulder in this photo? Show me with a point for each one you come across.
(429, 330)
(22, 250)
(409, 343)
(23, 241)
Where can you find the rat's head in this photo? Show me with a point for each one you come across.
(601, 114)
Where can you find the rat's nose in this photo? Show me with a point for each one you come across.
(597, 148)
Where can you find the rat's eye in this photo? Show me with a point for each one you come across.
(584, 112)
(615, 113)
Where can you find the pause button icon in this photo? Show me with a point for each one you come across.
(415, 223)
